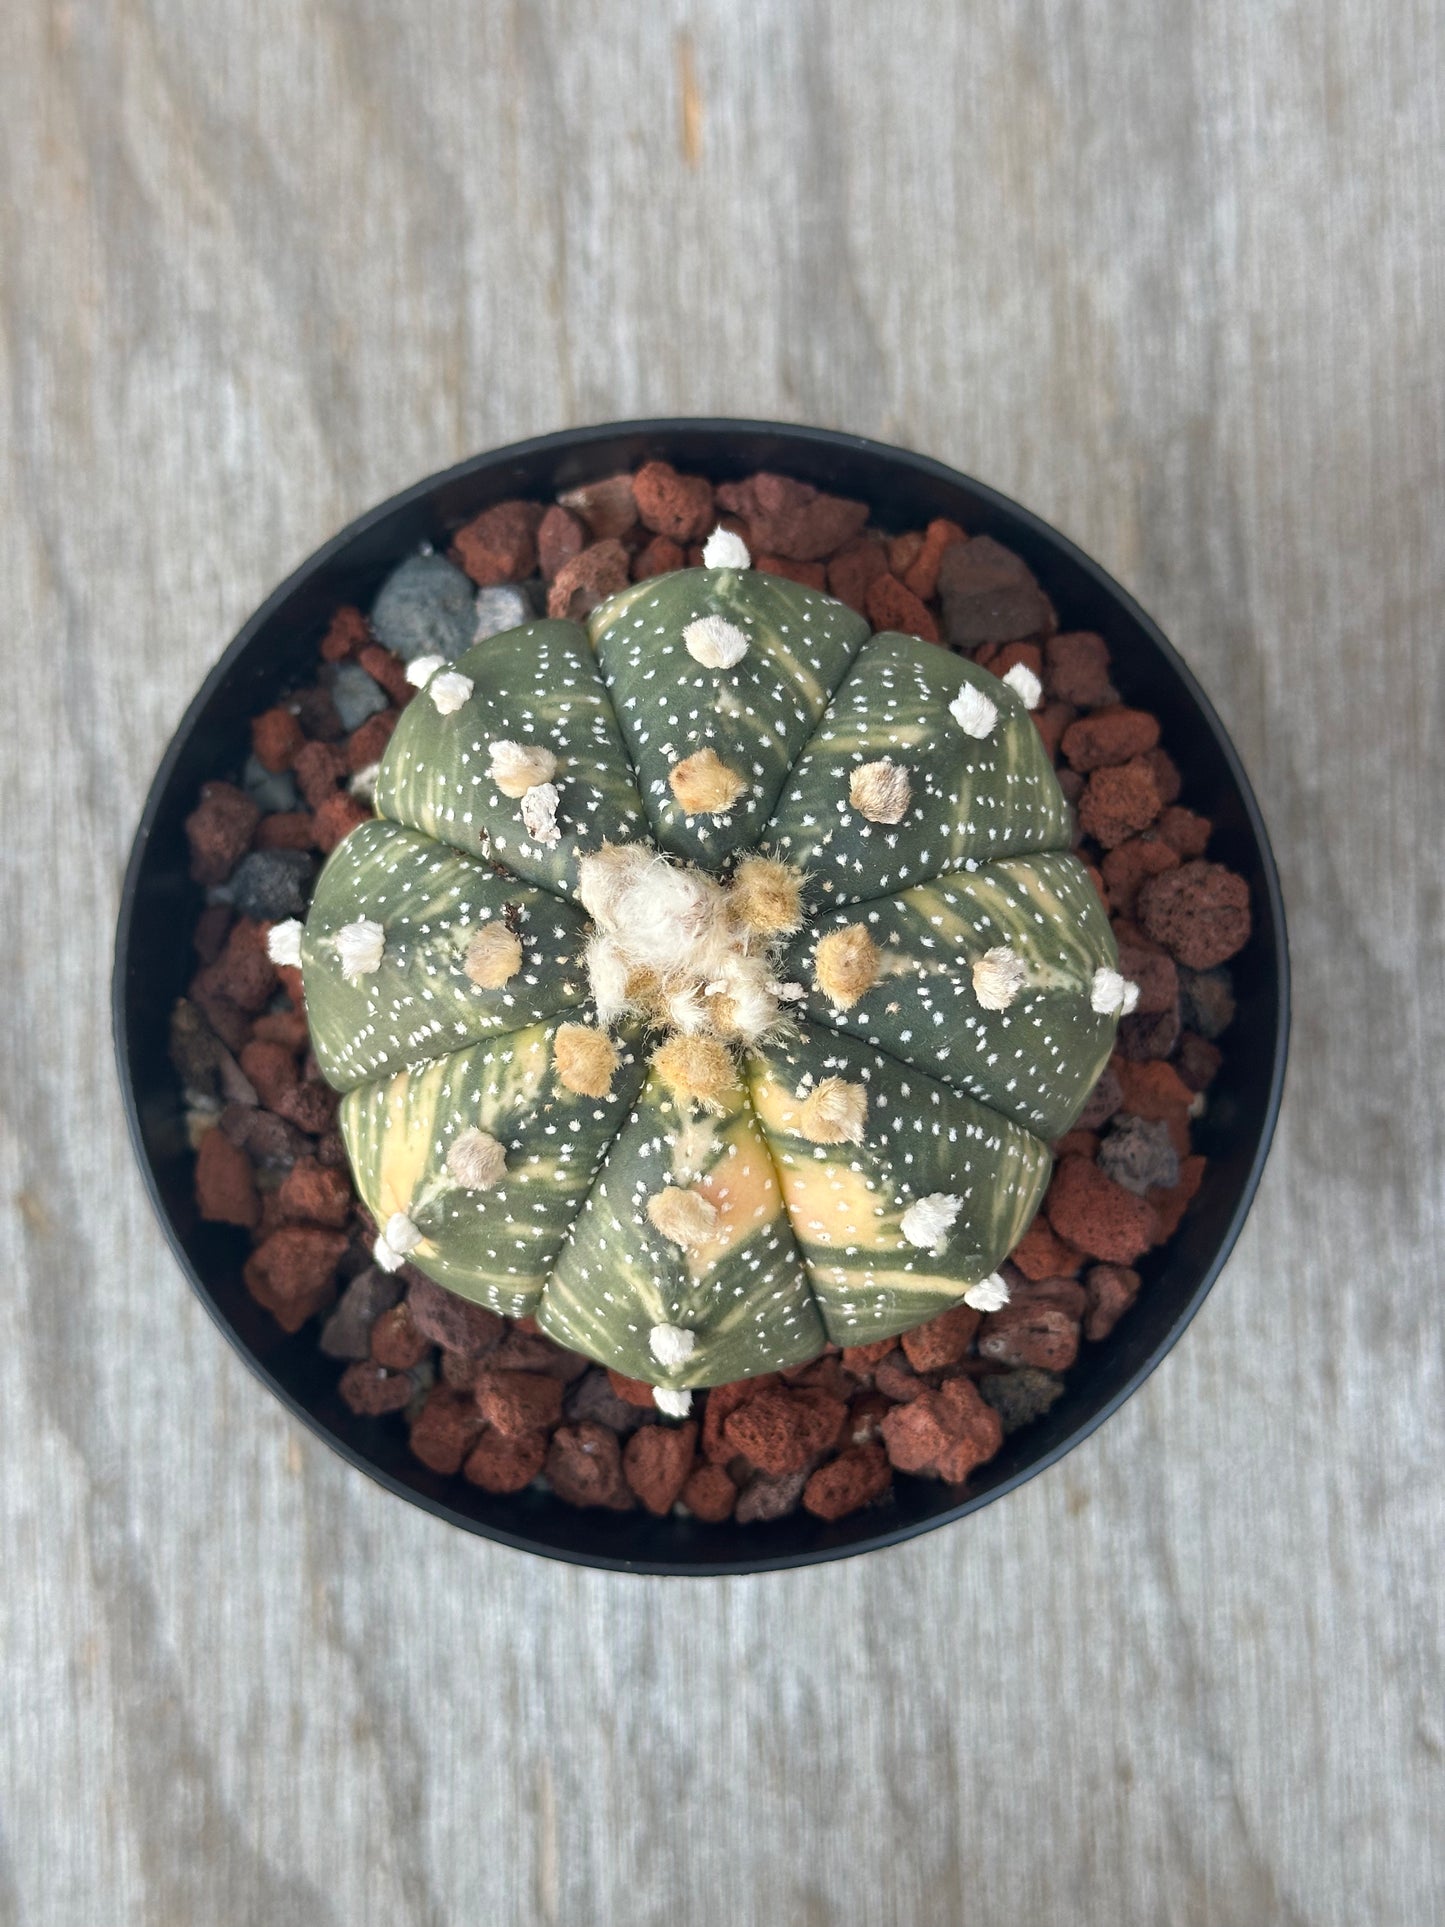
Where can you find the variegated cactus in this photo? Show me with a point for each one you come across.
(710, 983)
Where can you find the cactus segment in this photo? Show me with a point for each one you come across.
(972, 799)
(754, 715)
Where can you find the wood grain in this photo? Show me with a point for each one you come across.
(1170, 273)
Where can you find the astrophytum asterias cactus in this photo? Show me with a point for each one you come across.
(712, 980)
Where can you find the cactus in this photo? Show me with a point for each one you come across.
(712, 980)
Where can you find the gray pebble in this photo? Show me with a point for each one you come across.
(1139, 1154)
(769, 1495)
(507, 606)
(1206, 999)
(270, 885)
(269, 790)
(355, 695)
(1022, 1396)
(347, 1332)
(425, 609)
(592, 1397)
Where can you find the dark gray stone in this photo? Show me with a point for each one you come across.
(356, 695)
(1022, 1396)
(425, 608)
(1139, 1155)
(347, 1332)
(271, 885)
(507, 606)
(269, 789)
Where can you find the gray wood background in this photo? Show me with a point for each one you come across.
(1173, 274)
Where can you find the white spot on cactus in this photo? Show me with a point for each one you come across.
(998, 977)
(880, 791)
(671, 1345)
(989, 1294)
(928, 1220)
(283, 943)
(715, 642)
(360, 947)
(1112, 995)
(399, 1236)
(973, 712)
(539, 814)
(477, 1160)
(724, 550)
(518, 767)
(1025, 685)
(450, 691)
(675, 1404)
(422, 668)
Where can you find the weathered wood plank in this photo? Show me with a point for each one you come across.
(1173, 276)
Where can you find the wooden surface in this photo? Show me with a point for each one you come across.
(1171, 274)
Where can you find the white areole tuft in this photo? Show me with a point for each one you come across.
(724, 550)
(974, 713)
(360, 947)
(1025, 685)
(715, 642)
(929, 1219)
(672, 1345)
(283, 942)
(989, 1294)
(450, 691)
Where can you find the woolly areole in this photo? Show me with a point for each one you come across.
(712, 980)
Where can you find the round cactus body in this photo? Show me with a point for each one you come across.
(712, 980)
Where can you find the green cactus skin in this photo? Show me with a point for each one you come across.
(799, 1240)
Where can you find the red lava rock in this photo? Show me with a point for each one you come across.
(889, 605)
(315, 1195)
(219, 831)
(1076, 669)
(532, 1351)
(1171, 1205)
(1198, 1061)
(781, 1430)
(943, 1341)
(1042, 1253)
(445, 1430)
(395, 1340)
(659, 557)
(336, 818)
(656, 1462)
(710, 1494)
(225, 1186)
(999, 657)
(588, 579)
(1027, 1332)
(861, 1359)
(1105, 1098)
(1130, 865)
(811, 574)
(310, 1107)
(560, 536)
(632, 1391)
(317, 715)
(895, 1378)
(209, 937)
(857, 564)
(1200, 913)
(1118, 801)
(1100, 1217)
(945, 1433)
(1185, 832)
(608, 507)
(1110, 1290)
(1154, 972)
(990, 595)
(854, 1479)
(1109, 736)
(1167, 779)
(271, 1069)
(518, 1402)
(243, 973)
(1153, 1090)
(319, 767)
(349, 633)
(285, 830)
(293, 1273)
(791, 519)
(1077, 1144)
(921, 576)
(368, 743)
(722, 1401)
(584, 1467)
(673, 504)
(456, 1324)
(1051, 721)
(370, 1390)
(275, 737)
(499, 1464)
(500, 544)
(769, 1495)
(824, 1374)
(388, 670)
(1149, 1033)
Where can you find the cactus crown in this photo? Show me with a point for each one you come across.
(711, 981)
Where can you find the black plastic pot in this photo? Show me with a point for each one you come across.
(159, 903)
